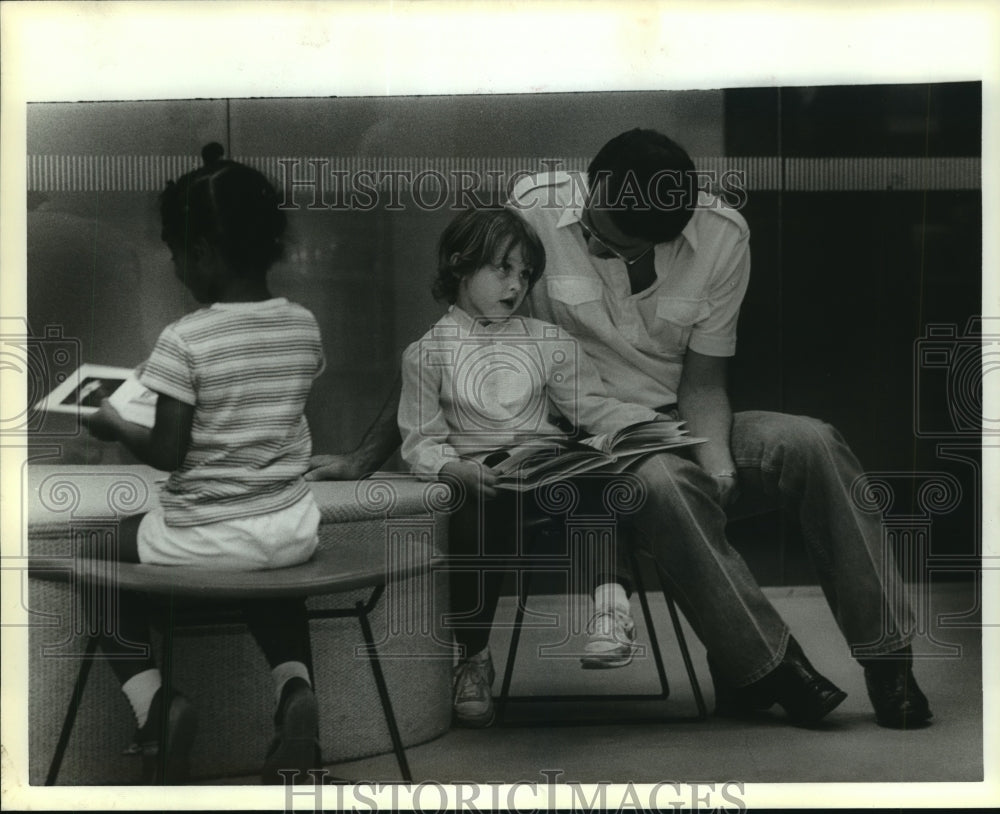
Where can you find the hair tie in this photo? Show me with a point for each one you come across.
(212, 153)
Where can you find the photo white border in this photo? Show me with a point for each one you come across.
(88, 51)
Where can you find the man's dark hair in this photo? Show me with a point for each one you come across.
(648, 184)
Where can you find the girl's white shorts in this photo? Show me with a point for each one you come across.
(275, 540)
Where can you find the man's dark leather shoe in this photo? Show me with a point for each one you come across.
(794, 684)
(804, 694)
(898, 701)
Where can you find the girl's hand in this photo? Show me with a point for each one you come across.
(478, 479)
(105, 423)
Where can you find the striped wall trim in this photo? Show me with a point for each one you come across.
(145, 173)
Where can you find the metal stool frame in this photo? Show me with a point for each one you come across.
(505, 698)
(321, 577)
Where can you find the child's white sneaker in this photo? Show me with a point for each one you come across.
(473, 693)
(612, 637)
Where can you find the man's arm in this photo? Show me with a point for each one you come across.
(703, 402)
(380, 441)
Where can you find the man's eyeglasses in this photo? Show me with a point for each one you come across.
(627, 256)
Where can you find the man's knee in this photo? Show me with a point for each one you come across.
(670, 480)
(781, 454)
(775, 437)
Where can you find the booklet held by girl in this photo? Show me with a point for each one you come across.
(82, 391)
(545, 460)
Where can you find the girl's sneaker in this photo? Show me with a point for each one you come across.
(296, 743)
(178, 722)
(612, 637)
(473, 695)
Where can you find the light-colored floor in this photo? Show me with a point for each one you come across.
(848, 747)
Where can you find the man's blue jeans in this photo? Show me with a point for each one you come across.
(796, 463)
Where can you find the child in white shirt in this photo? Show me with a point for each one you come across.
(481, 381)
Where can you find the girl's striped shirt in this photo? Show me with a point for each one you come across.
(247, 368)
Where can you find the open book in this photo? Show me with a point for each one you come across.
(545, 460)
(82, 391)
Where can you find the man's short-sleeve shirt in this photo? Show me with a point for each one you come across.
(638, 341)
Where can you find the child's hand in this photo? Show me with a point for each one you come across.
(105, 423)
(478, 479)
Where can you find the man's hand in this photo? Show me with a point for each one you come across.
(105, 424)
(334, 467)
(728, 489)
(478, 479)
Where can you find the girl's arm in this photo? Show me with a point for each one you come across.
(422, 424)
(163, 447)
(424, 428)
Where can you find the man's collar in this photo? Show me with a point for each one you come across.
(690, 233)
(571, 214)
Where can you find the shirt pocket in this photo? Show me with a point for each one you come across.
(675, 319)
(573, 291)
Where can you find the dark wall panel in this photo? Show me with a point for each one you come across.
(870, 239)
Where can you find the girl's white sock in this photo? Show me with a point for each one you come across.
(610, 596)
(285, 671)
(139, 690)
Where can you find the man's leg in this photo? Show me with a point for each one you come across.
(683, 526)
(805, 466)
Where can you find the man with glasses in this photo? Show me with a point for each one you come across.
(648, 273)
